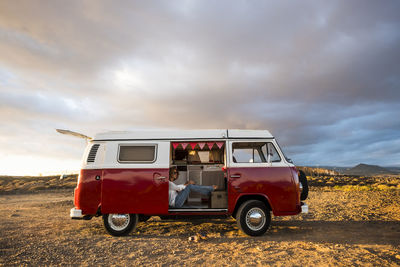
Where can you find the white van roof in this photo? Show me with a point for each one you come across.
(182, 134)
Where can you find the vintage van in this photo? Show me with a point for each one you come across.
(125, 177)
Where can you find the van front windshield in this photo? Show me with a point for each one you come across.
(287, 159)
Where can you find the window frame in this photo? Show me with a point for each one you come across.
(255, 164)
(136, 145)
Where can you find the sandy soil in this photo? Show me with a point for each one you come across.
(342, 228)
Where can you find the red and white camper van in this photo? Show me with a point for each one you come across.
(125, 177)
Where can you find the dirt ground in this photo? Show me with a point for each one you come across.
(342, 228)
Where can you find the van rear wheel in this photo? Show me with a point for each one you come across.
(120, 224)
(253, 218)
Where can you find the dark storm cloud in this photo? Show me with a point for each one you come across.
(322, 77)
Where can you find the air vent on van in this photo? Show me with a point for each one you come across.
(92, 153)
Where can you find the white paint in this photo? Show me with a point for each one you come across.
(107, 153)
(183, 134)
(107, 156)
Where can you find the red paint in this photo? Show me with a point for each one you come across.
(87, 194)
(273, 183)
(145, 191)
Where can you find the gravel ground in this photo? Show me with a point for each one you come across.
(342, 228)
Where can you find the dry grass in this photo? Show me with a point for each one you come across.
(343, 227)
(354, 183)
(30, 184)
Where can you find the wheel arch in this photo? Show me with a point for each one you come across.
(98, 213)
(243, 198)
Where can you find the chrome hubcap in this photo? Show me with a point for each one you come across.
(118, 222)
(255, 219)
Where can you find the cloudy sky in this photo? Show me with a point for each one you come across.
(322, 76)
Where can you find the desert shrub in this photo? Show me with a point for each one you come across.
(39, 187)
(383, 187)
(70, 184)
(348, 188)
(374, 187)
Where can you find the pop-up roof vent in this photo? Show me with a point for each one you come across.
(92, 153)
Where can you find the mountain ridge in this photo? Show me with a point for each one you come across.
(361, 169)
(366, 169)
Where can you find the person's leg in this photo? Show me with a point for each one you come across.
(182, 196)
(202, 189)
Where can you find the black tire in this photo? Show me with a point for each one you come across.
(304, 184)
(144, 218)
(120, 224)
(253, 210)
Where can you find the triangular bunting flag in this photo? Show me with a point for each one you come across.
(184, 145)
(193, 145)
(210, 145)
(175, 145)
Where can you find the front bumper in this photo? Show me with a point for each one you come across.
(76, 214)
(304, 208)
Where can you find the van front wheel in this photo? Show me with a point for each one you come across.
(253, 218)
(120, 224)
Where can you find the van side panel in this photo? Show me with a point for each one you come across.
(274, 182)
(142, 191)
(87, 194)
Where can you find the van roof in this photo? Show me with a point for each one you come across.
(182, 134)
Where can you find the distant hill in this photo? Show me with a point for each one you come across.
(368, 170)
(359, 170)
(314, 171)
(393, 169)
(338, 169)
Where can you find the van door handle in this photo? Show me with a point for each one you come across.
(235, 176)
(160, 178)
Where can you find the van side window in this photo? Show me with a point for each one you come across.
(132, 153)
(248, 153)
